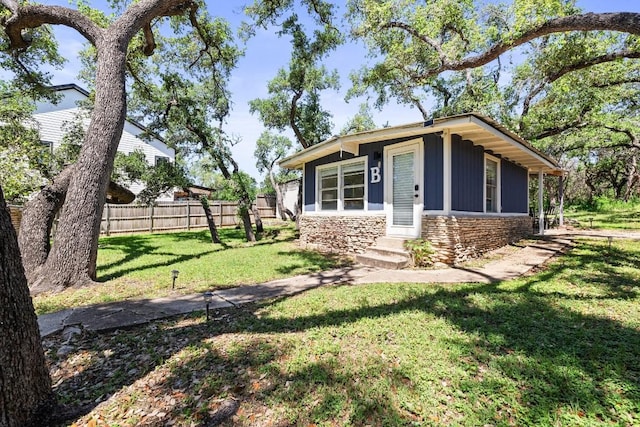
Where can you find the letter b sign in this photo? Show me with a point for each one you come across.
(375, 175)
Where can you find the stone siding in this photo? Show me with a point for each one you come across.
(459, 238)
(342, 234)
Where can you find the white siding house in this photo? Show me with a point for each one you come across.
(51, 119)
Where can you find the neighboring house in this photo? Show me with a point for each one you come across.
(193, 192)
(460, 182)
(52, 118)
(289, 191)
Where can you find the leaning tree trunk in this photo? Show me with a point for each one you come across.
(72, 260)
(37, 221)
(257, 218)
(210, 222)
(279, 202)
(25, 385)
(246, 222)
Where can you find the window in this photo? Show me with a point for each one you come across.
(342, 186)
(353, 186)
(329, 189)
(161, 159)
(491, 185)
(47, 147)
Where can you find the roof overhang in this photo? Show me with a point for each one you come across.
(474, 127)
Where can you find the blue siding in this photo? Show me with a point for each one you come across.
(375, 191)
(433, 172)
(513, 187)
(467, 175)
(467, 180)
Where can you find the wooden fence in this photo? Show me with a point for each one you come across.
(166, 216)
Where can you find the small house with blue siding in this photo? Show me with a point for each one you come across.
(461, 182)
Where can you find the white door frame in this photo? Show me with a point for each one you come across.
(415, 146)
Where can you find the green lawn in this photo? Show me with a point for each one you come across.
(561, 347)
(607, 214)
(139, 266)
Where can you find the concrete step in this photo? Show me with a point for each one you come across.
(390, 242)
(375, 259)
(386, 251)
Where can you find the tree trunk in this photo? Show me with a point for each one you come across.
(279, 202)
(25, 385)
(37, 220)
(257, 218)
(246, 222)
(210, 222)
(632, 178)
(299, 205)
(72, 260)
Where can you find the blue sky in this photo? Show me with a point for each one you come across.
(265, 53)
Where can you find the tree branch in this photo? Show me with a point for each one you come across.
(634, 141)
(139, 16)
(292, 119)
(428, 40)
(626, 22)
(32, 16)
(588, 62)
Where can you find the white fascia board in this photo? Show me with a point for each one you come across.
(511, 141)
(351, 143)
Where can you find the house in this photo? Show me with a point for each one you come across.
(289, 192)
(52, 119)
(460, 182)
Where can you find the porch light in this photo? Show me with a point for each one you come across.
(174, 276)
(207, 296)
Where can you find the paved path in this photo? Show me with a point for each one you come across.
(122, 314)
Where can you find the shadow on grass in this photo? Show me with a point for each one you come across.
(320, 261)
(169, 262)
(134, 247)
(563, 358)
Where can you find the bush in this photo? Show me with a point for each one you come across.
(420, 251)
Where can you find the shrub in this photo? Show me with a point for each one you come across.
(420, 251)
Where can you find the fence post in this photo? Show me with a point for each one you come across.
(188, 215)
(221, 214)
(108, 219)
(151, 218)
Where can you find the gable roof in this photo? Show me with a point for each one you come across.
(73, 86)
(472, 126)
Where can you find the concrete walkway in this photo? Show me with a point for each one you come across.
(122, 314)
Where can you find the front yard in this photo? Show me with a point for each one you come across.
(561, 347)
(140, 265)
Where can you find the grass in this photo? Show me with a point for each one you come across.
(605, 213)
(561, 347)
(139, 266)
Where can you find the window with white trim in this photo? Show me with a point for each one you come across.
(491, 176)
(329, 189)
(342, 186)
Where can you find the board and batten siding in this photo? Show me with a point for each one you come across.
(374, 152)
(514, 188)
(433, 172)
(467, 180)
(467, 175)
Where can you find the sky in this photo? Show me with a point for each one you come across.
(264, 55)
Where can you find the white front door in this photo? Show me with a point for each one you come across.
(403, 189)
